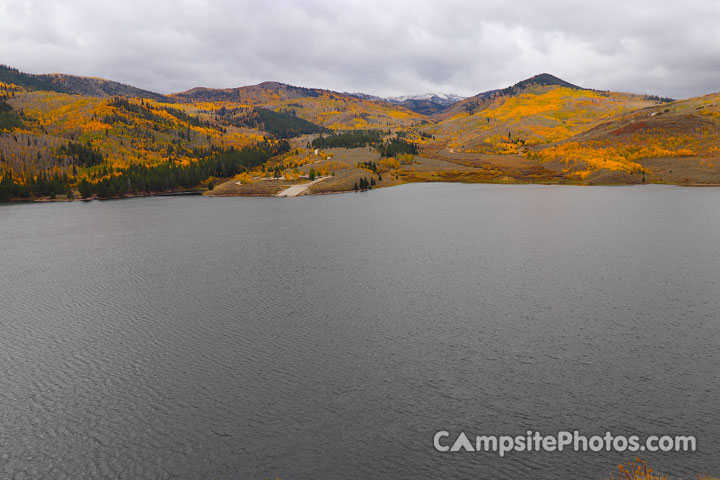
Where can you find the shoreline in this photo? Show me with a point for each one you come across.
(207, 193)
(63, 199)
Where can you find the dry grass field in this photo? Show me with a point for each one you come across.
(261, 188)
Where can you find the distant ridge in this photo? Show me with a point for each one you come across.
(250, 94)
(26, 80)
(427, 104)
(62, 83)
(98, 87)
(365, 96)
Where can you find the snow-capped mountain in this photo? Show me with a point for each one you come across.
(439, 98)
(427, 104)
(365, 96)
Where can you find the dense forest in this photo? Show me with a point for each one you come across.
(397, 146)
(364, 138)
(282, 124)
(349, 139)
(83, 155)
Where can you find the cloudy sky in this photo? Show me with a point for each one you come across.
(384, 48)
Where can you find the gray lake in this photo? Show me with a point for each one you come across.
(330, 337)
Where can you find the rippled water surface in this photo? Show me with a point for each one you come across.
(331, 337)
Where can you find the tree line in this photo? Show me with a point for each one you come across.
(41, 185)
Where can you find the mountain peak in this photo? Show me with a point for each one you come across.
(545, 79)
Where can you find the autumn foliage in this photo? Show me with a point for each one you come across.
(54, 143)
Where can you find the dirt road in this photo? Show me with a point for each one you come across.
(297, 190)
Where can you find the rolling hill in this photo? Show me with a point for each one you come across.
(322, 107)
(530, 113)
(260, 94)
(676, 142)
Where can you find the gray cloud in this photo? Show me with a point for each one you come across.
(379, 47)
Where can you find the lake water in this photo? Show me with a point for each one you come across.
(330, 337)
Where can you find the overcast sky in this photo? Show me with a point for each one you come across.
(388, 47)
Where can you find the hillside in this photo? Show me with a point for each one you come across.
(63, 134)
(528, 114)
(54, 141)
(62, 141)
(676, 142)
